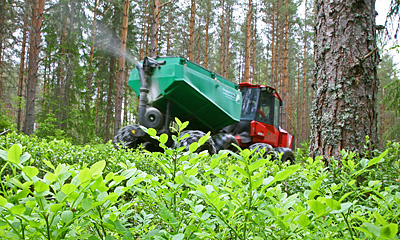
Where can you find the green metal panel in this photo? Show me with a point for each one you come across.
(208, 101)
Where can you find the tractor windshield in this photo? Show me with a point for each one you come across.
(260, 106)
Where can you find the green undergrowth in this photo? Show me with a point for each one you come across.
(56, 190)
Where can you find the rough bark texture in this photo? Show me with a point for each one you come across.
(344, 104)
(248, 43)
(121, 66)
(191, 30)
(90, 76)
(154, 28)
(37, 18)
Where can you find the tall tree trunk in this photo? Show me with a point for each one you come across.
(2, 19)
(344, 106)
(154, 28)
(22, 69)
(248, 43)
(285, 71)
(208, 11)
(121, 66)
(222, 40)
(304, 133)
(227, 39)
(273, 51)
(90, 76)
(191, 29)
(254, 47)
(34, 50)
(110, 97)
(144, 41)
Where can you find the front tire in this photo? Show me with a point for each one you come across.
(225, 141)
(287, 154)
(264, 148)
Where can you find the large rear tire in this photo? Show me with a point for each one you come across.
(125, 139)
(194, 136)
(287, 154)
(263, 148)
(224, 141)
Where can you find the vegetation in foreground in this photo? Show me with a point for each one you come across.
(56, 190)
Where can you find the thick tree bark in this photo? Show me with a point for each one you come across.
(344, 105)
(22, 71)
(285, 71)
(191, 29)
(227, 39)
(304, 133)
(154, 28)
(273, 51)
(222, 41)
(2, 26)
(90, 76)
(121, 66)
(208, 11)
(248, 43)
(34, 49)
(144, 40)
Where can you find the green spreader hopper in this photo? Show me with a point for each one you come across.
(180, 88)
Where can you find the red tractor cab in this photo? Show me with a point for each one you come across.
(260, 118)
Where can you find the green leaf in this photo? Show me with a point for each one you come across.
(85, 175)
(56, 207)
(68, 188)
(204, 138)
(214, 163)
(152, 132)
(333, 204)
(97, 168)
(67, 216)
(377, 159)
(343, 207)
(178, 236)
(3, 155)
(192, 171)
(257, 165)
(241, 171)
(41, 186)
(86, 204)
(317, 207)
(389, 231)
(304, 221)
(163, 138)
(49, 164)
(3, 201)
(380, 219)
(14, 153)
(51, 177)
(286, 173)
(30, 171)
(193, 147)
(375, 230)
(17, 210)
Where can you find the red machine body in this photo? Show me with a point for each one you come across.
(260, 118)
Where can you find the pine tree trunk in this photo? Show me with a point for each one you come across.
(191, 29)
(2, 19)
(110, 97)
(90, 76)
(144, 40)
(227, 39)
(34, 50)
(248, 43)
(154, 28)
(206, 36)
(121, 66)
(285, 72)
(222, 41)
(273, 52)
(344, 105)
(22, 71)
(304, 133)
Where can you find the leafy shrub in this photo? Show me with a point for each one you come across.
(187, 195)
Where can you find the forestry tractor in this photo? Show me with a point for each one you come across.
(241, 114)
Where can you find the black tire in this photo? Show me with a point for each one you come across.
(261, 147)
(194, 136)
(125, 139)
(224, 141)
(287, 154)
